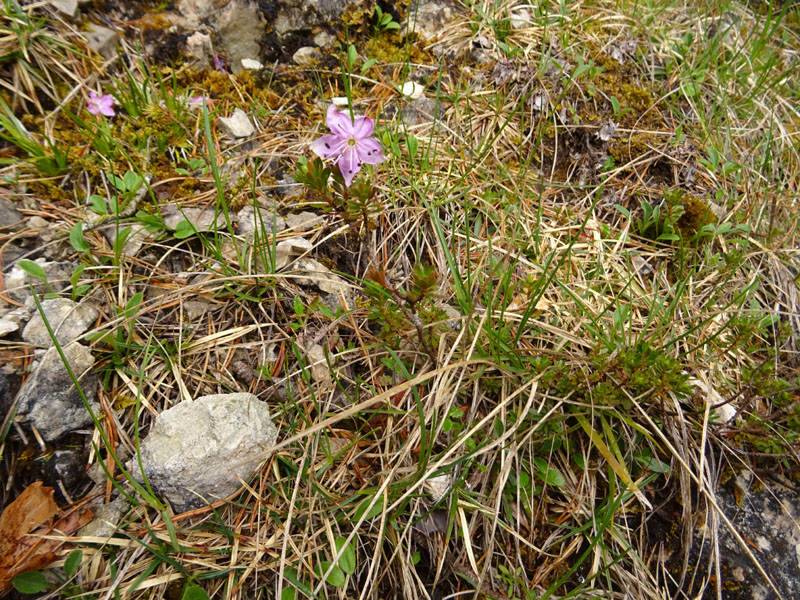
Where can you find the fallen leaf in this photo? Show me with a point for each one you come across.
(21, 524)
(33, 508)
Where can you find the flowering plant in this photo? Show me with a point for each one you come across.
(101, 104)
(351, 143)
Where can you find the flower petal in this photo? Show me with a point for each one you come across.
(363, 127)
(339, 123)
(349, 165)
(328, 146)
(370, 151)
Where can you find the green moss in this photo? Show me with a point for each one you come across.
(697, 214)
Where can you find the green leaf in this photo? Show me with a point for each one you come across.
(392, 25)
(336, 577)
(288, 593)
(133, 305)
(32, 268)
(373, 512)
(31, 582)
(347, 560)
(72, 562)
(184, 229)
(548, 474)
(132, 181)
(194, 592)
(76, 238)
(98, 204)
(352, 55)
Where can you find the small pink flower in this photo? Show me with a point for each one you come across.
(101, 104)
(351, 143)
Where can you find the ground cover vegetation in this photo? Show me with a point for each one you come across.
(570, 310)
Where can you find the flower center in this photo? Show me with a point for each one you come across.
(351, 142)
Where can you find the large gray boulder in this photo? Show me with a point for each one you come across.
(198, 451)
(50, 401)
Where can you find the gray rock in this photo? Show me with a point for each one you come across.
(768, 520)
(251, 64)
(50, 402)
(265, 222)
(240, 29)
(303, 221)
(323, 39)
(317, 274)
(202, 219)
(238, 125)
(67, 7)
(197, 452)
(307, 55)
(64, 468)
(427, 18)
(300, 15)
(12, 320)
(137, 236)
(199, 49)
(420, 111)
(106, 518)
(18, 282)
(68, 320)
(102, 40)
(287, 250)
(9, 215)
(195, 11)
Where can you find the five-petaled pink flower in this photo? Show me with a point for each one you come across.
(351, 143)
(101, 104)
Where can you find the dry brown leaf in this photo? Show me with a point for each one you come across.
(33, 508)
(30, 514)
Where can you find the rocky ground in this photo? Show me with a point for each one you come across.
(547, 348)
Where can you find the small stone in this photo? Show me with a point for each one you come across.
(12, 321)
(198, 451)
(307, 55)
(102, 40)
(339, 101)
(320, 372)
(199, 49)
(106, 518)
(50, 401)
(437, 486)
(10, 217)
(238, 125)
(321, 276)
(324, 39)
(195, 11)
(420, 111)
(287, 250)
(607, 130)
(412, 89)
(251, 64)
(67, 7)
(202, 219)
(67, 319)
(427, 18)
(195, 309)
(265, 222)
(303, 221)
(240, 30)
(136, 237)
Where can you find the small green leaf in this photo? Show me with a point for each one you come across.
(413, 145)
(548, 474)
(133, 305)
(132, 181)
(373, 512)
(352, 55)
(32, 268)
(31, 582)
(194, 592)
(347, 561)
(288, 593)
(98, 204)
(336, 577)
(184, 229)
(77, 240)
(367, 65)
(72, 562)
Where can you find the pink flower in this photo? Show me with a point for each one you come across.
(351, 143)
(101, 104)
